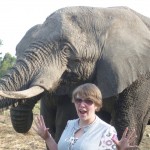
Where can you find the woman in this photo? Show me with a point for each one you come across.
(88, 132)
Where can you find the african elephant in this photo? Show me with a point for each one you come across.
(109, 47)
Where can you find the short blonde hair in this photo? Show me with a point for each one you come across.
(91, 91)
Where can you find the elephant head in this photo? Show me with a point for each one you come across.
(49, 55)
(106, 46)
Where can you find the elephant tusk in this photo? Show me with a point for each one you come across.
(31, 92)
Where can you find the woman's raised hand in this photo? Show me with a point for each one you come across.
(127, 139)
(41, 129)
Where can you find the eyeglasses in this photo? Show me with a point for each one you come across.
(86, 101)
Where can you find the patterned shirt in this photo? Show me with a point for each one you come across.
(96, 136)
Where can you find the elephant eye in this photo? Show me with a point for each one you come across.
(77, 60)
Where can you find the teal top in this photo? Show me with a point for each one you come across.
(97, 136)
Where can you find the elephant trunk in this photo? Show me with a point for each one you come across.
(22, 116)
(30, 72)
(17, 79)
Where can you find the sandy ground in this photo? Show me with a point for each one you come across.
(10, 140)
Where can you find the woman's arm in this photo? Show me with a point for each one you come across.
(42, 131)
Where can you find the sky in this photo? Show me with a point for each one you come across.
(18, 16)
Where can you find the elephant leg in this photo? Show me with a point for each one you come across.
(104, 115)
(65, 111)
(48, 111)
(133, 108)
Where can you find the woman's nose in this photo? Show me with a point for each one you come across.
(82, 103)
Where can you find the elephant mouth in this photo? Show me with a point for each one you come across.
(70, 77)
(25, 94)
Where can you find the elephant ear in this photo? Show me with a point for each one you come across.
(28, 38)
(125, 57)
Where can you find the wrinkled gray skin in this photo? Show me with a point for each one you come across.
(106, 46)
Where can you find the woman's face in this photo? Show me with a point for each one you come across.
(85, 109)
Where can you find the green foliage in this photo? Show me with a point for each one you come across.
(7, 62)
(0, 52)
(0, 58)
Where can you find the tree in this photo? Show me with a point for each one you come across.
(0, 58)
(0, 52)
(7, 62)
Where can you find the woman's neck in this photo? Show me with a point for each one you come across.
(83, 123)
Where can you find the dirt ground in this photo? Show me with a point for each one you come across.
(10, 140)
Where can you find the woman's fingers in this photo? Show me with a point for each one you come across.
(131, 134)
(42, 121)
(39, 120)
(35, 129)
(37, 123)
(132, 137)
(125, 133)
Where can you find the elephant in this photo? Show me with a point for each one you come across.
(109, 47)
